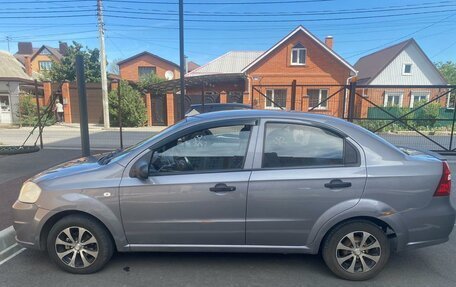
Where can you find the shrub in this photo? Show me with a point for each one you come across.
(146, 81)
(27, 113)
(132, 105)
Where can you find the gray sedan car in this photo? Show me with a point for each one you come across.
(242, 181)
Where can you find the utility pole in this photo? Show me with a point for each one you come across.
(8, 39)
(104, 78)
(182, 57)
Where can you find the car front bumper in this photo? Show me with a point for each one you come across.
(28, 220)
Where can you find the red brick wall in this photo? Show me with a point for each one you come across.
(129, 70)
(321, 68)
(377, 96)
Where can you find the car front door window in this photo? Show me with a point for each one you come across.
(213, 149)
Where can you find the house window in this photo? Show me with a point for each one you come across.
(317, 98)
(298, 55)
(407, 69)
(45, 65)
(279, 96)
(419, 97)
(4, 103)
(393, 99)
(145, 71)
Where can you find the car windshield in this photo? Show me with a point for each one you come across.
(120, 153)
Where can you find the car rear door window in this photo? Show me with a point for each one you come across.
(296, 145)
(213, 149)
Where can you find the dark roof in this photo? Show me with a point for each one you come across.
(196, 81)
(54, 51)
(21, 57)
(145, 53)
(191, 66)
(372, 65)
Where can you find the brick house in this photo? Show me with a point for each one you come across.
(402, 64)
(133, 68)
(299, 59)
(39, 59)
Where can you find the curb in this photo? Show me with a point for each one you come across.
(8, 245)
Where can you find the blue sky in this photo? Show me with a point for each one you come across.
(357, 30)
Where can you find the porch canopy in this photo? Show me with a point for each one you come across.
(197, 81)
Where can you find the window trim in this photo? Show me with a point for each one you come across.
(385, 100)
(412, 97)
(273, 107)
(343, 136)
(403, 69)
(40, 62)
(254, 122)
(298, 49)
(320, 107)
(154, 68)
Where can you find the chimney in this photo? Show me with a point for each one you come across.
(28, 65)
(24, 48)
(329, 41)
(63, 48)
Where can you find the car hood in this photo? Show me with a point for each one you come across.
(72, 167)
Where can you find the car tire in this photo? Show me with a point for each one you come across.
(79, 244)
(356, 250)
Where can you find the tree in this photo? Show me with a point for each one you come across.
(146, 81)
(131, 104)
(113, 68)
(448, 71)
(28, 115)
(66, 68)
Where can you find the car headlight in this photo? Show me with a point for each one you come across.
(30, 192)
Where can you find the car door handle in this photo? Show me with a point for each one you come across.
(337, 183)
(222, 187)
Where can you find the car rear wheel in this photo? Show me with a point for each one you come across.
(356, 250)
(79, 244)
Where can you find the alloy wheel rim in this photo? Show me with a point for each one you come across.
(76, 247)
(358, 252)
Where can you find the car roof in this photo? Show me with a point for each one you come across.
(266, 113)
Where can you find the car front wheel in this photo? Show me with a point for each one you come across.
(356, 250)
(79, 244)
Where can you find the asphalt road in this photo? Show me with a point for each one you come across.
(432, 266)
(15, 169)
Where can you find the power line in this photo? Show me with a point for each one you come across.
(400, 38)
(270, 14)
(444, 49)
(281, 20)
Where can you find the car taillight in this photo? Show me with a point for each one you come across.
(444, 187)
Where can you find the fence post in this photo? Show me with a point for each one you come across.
(119, 114)
(40, 127)
(293, 95)
(83, 116)
(452, 124)
(351, 101)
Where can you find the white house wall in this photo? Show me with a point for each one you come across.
(11, 88)
(423, 73)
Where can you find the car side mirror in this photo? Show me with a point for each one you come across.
(140, 169)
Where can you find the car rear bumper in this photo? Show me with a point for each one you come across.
(427, 226)
(27, 222)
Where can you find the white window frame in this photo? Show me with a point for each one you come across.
(273, 106)
(320, 107)
(387, 94)
(298, 57)
(403, 69)
(47, 63)
(412, 97)
(448, 101)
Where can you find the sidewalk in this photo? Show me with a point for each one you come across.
(68, 136)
